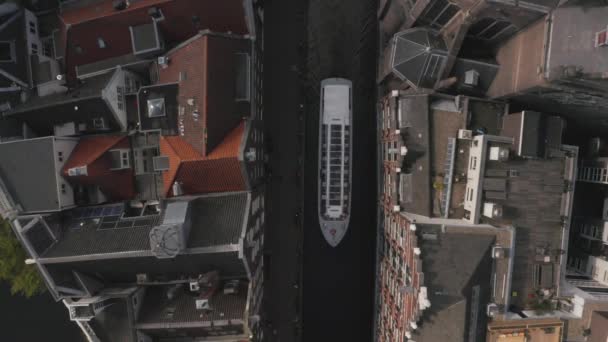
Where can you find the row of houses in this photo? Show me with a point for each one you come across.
(131, 163)
(492, 215)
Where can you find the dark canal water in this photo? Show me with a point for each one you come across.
(36, 319)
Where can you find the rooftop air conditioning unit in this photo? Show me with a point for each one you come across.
(492, 210)
(163, 61)
(499, 153)
(465, 134)
(403, 150)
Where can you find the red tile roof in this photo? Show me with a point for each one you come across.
(220, 171)
(91, 152)
(89, 149)
(84, 25)
(204, 176)
(190, 59)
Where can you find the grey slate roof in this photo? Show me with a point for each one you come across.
(124, 270)
(42, 112)
(453, 266)
(224, 307)
(114, 323)
(217, 220)
(28, 170)
(418, 55)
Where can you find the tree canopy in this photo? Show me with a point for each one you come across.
(24, 279)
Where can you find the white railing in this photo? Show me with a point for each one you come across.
(8, 208)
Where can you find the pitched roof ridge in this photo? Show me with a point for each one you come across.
(171, 142)
(224, 148)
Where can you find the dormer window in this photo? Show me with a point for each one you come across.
(156, 108)
(601, 38)
(120, 159)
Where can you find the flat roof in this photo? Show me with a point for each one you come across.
(533, 204)
(458, 268)
(427, 124)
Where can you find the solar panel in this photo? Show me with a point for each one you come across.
(87, 212)
(117, 210)
(97, 212)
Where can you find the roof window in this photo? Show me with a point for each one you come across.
(156, 108)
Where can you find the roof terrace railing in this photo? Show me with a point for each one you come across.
(448, 176)
(8, 207)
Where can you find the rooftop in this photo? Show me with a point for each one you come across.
(534, 196)
(159, 312)
(429, 128)
(182, 19)
(82, 103)
(458, 298)
(33, 182)
(216, 220)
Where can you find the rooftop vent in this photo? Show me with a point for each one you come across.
(492, 210)
(202, 304)
(177, 189)
(119, 5)
(163, 61)
(465, 134)
(471, 78)
(498, 153)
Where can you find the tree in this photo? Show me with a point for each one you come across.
(24, 279)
